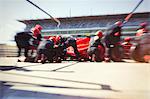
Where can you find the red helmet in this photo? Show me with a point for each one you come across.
(39, 27)
(144, 24)
(99, 34)
(53, 38)
(35, 31)
(127, 39)
(58, 38)
(118, 23)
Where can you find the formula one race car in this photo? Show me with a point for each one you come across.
(82, 45)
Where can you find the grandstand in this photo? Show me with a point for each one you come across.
(87, 25)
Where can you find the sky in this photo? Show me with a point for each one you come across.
(13, 10)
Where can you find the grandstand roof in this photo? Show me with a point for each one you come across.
(138, 14)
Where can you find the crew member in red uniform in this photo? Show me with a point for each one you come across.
(96, 48)
(112, 42)
(142, 29)
(126, 47)
(37, 37)
(37, 32)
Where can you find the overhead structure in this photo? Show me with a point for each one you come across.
(55, 19)
(131, 13)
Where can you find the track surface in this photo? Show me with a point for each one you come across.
(74, 80)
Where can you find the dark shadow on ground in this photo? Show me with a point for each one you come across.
(15, 67)
(22, 68)
(102, 86)
(60, 71)
(64, 66)
(7, 68)
(7, 83)
(8, 92)
(22, 94)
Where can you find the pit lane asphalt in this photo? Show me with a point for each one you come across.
(74, 80)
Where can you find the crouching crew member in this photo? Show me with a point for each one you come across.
(70, 41)
(58, 49)
(126, 47)
(45, 51)
(96, 49)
